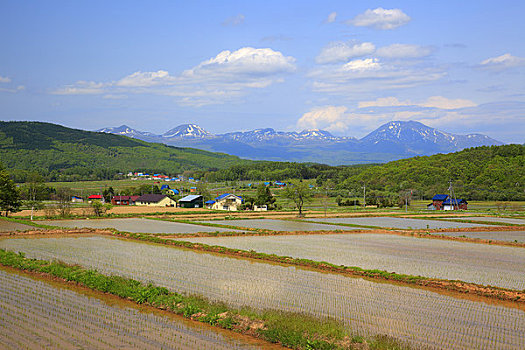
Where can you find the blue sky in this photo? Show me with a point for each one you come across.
(343, 66)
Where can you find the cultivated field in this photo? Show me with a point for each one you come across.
(418, 316)
(38, 315)
(509, 236)
(511, 221)
(477, 263)
(402, 223)
(135, 225)
(278, 225)
(9, 226)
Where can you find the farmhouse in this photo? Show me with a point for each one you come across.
(455, 204)
(95, 197)
(444, 202)
(77, 199)
(437, 202)
(155, 200)
(121, 200)
(226, 201)
(191, 201)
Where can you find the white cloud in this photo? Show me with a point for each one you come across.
(403, 51)
(145, 79)
(383, 102)
(502, 62)
(234, 21)
(330, 118)
(245, 61)
(438, 102)
(337, 52)
(9, 87)
(114, 97)
(331, 17)
(446, 103)
(216, 80)
(380, 18)
(370, 75)
(369, 64)
(81, 88)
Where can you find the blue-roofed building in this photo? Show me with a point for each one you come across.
(227, 201)
(173, 191)
(279, 184)
(443, 202)
(437, 202)
(165, 187)
(454, 204)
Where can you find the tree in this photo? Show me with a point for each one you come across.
(108, 193)
(35, 192)
(63, 197)
(299, 193)
(100, 208)
(202, 189)
(9, 194)
(264, 197)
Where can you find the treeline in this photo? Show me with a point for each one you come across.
(481, 173)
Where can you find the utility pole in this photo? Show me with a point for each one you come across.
(364, 196)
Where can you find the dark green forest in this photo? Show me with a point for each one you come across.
(63, 154)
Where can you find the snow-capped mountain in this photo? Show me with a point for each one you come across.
(129, 132)
(269, 134)
(187, 131)
(418, 138)
(393, 140)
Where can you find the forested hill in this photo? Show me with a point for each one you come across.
(61, 153)
(495, 172)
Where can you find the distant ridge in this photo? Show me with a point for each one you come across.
(391, 141)
(68, 154)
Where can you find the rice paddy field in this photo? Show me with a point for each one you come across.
(470, 262)
(511, 221)
(279, 225)
(9, 226)
(39, 315)
(142, 225)
(402, 223)
(420, 317)
(509, 236)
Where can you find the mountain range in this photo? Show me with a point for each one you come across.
(391, 141)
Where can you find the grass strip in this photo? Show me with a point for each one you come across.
(450, 285)
(296, 331)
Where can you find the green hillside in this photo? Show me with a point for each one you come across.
(61, 153)
(495, 173)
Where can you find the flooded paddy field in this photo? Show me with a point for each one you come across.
(509, 236)
(141, 225)
(418, 316)
(392, 222)
(511, 221)
(470, 262)
(280, 225)
(8, 226)
(38, 315)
